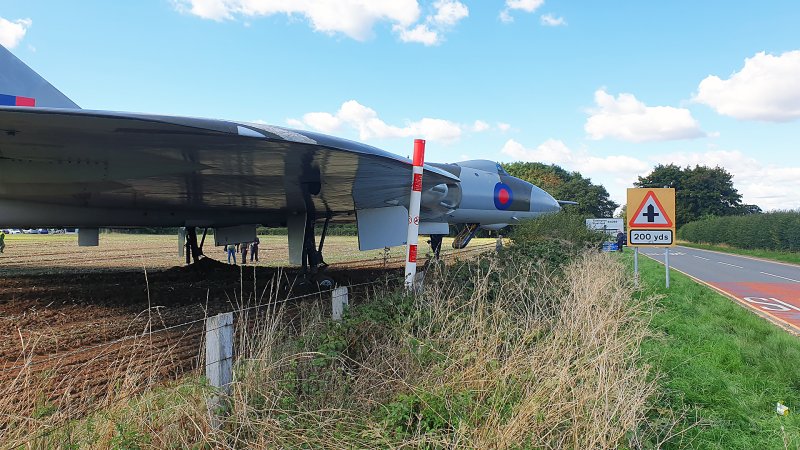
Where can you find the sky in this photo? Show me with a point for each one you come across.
(605, 88)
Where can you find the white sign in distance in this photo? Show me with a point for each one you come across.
(651, 237)
(607, 225)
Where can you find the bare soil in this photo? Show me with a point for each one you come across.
(77, 324)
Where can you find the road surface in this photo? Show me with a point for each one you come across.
(771, 288)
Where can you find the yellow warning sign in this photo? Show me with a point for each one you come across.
(651, 217)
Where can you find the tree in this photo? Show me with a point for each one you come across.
(592, 199)
(699, 192)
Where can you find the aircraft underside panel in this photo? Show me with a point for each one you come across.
(234, 235)
(382, 227)
(429, 228)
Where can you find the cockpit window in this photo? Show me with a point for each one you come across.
(500, 170)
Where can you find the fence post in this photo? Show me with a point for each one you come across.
(219, 361)
(339, 299)
(419, 281)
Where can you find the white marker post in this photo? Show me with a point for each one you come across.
(413, 213)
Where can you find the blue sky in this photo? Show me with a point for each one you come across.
(608, 88)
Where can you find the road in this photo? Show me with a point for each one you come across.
(771, 288)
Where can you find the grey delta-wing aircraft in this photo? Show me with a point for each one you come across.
(62, 166)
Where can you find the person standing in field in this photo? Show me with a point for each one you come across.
(2, 241)
(254, 250)
(231, 249)
(244, 246)
(620, 240)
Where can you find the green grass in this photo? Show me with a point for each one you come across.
(722, 365)
(775, 255)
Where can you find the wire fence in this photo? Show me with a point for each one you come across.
(112, 348)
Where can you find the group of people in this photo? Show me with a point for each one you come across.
(244, 248)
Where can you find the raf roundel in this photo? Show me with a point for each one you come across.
(502, 196)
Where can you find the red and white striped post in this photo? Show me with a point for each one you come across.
(413, 213)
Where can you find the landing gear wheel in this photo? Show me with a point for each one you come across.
(324, 282)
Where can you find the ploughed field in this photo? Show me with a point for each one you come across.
(78, 325)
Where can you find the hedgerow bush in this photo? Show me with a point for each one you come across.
(769, 231)
(553, 240)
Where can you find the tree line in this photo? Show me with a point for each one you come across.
(593, 199)
(700, 192)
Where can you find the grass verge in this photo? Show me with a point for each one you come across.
(722, 368)
(788, 257)
(488, 356)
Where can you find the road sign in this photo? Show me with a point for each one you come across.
(651, 217)
(610, 226)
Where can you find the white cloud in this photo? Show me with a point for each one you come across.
(550, 20)
(11, 33)
(767, 88)
(626, 118)
(554, 151)
(524, 5)
(420, 34)
(449, 12)
(353, 18)
(480, 126)
(369, 125)
(528, 6)
(766, 185)
(503, 127)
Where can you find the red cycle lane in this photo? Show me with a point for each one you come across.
(769, 288)
(779, 300)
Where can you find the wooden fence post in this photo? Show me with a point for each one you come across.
(219, 361)
(339, 299)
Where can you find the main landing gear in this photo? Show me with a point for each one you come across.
(194, 251)
(312, 260)
(436, 244)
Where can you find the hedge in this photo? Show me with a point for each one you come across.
(769, 231)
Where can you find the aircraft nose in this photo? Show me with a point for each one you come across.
(542, 202)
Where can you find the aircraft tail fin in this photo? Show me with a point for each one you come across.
(21, 86)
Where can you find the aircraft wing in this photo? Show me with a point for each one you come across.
(186, 171)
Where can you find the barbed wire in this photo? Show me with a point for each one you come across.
(191, 323)
(168, 328)
(195, 321)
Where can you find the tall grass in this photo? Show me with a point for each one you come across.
(489, 355)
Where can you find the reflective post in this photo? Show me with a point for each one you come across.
(413, 213)
(636, 266)
(666, 264)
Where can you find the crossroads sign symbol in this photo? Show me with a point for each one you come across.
(650, 213)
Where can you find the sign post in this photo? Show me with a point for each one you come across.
(650, 222)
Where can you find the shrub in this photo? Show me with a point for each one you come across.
(554, 239)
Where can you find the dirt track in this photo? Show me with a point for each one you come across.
(68, 316)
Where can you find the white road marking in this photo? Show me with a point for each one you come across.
(778, 276)
(732, 265)
(700, 257)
